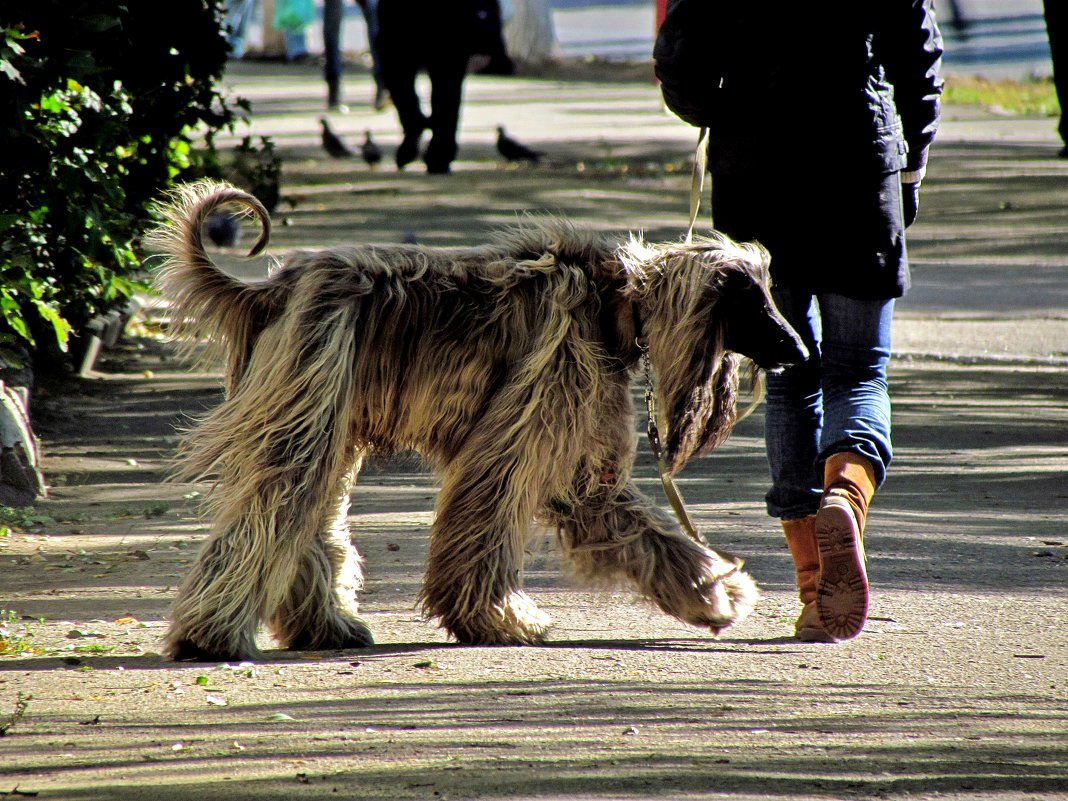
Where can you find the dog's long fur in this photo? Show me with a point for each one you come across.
(506, 366)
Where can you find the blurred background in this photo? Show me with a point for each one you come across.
(992, 38)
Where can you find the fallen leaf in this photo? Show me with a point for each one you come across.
(279, 716)
(215, 700)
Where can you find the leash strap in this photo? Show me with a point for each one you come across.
(697, 180)
(671, 492)
(674, 497)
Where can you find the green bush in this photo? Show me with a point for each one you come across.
(103, 100)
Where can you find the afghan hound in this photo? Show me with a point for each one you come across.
(507, 366)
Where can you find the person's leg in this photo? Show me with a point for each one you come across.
(370, 16)
(855, 353)
(332, 14)
(398, 74)
(855, 450)
(447, 72)
(1057, 31)
(296, 44)
(794, 416)
(236, 18)
(793, 421)
(402, 49)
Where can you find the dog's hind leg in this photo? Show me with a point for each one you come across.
(214, 617)
(613, 535)
(283, 448)
(321, 610)
(255, 565)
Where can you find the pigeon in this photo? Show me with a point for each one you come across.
(371, 152)
(513, 150)
(332, 143)
(223, 229)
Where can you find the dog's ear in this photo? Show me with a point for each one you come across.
(702, 423)
(753, 326)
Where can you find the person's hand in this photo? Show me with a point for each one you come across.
(910, 201)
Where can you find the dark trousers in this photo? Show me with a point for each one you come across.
(425, 36)
(1057, 29)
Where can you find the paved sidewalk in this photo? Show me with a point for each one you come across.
(957, 689)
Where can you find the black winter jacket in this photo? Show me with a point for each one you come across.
(813, 110)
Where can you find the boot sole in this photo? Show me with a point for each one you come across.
(842, 594)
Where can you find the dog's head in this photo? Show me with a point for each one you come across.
(752, 326)
(701, 307)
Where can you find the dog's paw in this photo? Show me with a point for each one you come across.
(518, 621)
(185, 650)
(355, 635)
(522, 615)
(340, 632)
(735, 596)
(710, 592)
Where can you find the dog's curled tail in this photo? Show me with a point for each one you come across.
(205, 300)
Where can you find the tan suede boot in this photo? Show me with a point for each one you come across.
(801, 540)
(842, 592)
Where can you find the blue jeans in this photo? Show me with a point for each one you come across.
(333, 16)
(836, 401)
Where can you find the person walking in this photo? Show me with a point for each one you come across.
(820, 120)
(440, 39)
(333, 63)
(237, 17)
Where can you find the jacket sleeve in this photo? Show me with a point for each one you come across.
(910, 47)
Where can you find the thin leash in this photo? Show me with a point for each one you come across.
(674, 497)
(671, 491)
(697, 180)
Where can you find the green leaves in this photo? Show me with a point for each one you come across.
(101, 117)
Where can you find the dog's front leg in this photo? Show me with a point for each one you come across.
(473, 583)
(613, 534)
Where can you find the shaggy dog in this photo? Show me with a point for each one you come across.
(507, 367)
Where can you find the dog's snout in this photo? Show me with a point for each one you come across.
(789, 353)
(800, 354)
(779, 347)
